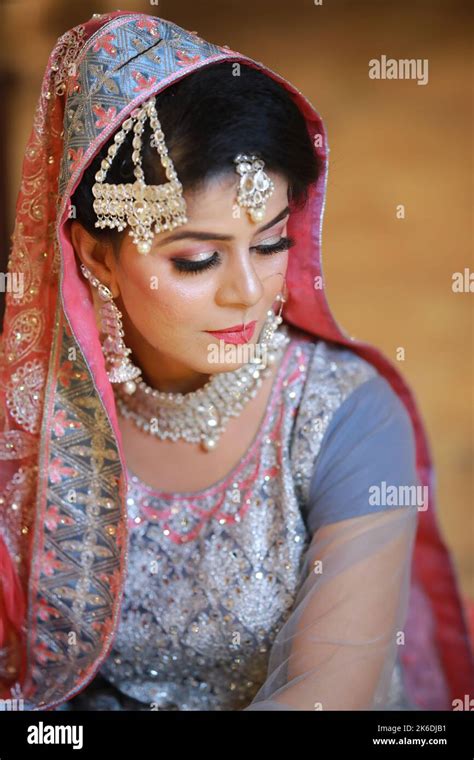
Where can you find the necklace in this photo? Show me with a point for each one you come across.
(201, 416)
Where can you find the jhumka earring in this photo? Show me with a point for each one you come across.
(119, 367)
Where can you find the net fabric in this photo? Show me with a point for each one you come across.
(338, 649)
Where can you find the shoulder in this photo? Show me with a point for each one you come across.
(334, 371)
(340, 384)
(373, 420)
(352, 431)
(332, 375)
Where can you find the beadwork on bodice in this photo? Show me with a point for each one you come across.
(212, 575)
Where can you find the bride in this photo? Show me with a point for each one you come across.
(189, 440)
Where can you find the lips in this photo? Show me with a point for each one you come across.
(236, 334)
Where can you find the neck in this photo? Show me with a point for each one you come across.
(170, 381)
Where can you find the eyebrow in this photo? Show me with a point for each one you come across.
(198, 235)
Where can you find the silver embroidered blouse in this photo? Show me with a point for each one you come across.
(212, 575)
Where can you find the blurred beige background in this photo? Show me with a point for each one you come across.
(392, 142)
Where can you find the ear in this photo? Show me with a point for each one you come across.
(96, 256)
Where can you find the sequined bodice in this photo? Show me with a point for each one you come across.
(212, 575)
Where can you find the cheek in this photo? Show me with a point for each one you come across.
(154, 296)
(272, 273)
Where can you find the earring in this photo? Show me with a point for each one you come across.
(119, 367)
(273, 320)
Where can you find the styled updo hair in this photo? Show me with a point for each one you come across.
(208, 117)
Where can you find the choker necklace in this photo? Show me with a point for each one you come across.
(201, 416)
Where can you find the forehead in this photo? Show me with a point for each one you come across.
(216, 200)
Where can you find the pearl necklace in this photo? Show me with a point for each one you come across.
(201, 416)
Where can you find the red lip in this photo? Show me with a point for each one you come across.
(236, 334)
(234, 328)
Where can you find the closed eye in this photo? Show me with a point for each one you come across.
(190, 266)
(281, 245)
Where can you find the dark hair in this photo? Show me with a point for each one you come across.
(207, 118)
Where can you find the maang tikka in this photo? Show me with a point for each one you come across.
(255, 185)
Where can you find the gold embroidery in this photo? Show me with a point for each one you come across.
(23, 334)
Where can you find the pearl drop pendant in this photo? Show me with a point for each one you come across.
(130, 387)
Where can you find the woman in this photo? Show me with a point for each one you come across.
(213, 498)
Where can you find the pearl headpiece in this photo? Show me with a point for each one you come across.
(137, 204)
(255, 185)
(150, 209)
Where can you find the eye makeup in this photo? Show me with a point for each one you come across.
(190, 266)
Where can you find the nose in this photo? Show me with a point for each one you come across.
(240, 285)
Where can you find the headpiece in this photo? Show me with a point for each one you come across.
(255, 186)
(150, 209)
(137, 204)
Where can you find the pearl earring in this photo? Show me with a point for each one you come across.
(119, 367)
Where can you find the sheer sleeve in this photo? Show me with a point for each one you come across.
(338, 648)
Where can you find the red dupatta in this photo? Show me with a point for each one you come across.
(62, 558)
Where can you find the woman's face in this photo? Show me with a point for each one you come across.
(215, 272)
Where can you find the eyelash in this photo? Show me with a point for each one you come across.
(194, 267)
